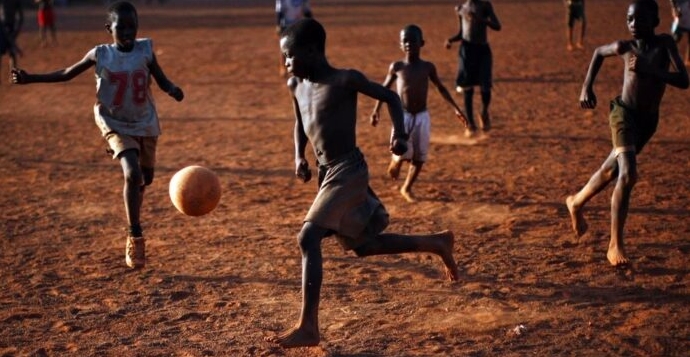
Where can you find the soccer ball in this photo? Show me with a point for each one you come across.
(195, 190)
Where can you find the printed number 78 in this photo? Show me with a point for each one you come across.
(136, 81)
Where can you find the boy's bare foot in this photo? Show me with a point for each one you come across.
(407, 195)
(616, 256)
(296, 337)
(576, 217)
(580, 46)
(569, 47)
(469, 133)
(451, 268)
(394, 169)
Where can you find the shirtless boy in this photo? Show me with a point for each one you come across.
(325, 105)
(412, 76)
(634, 114)
(475, 60)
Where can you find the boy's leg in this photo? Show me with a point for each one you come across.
(583, 26)
(394, 168)
(620, 203)
(133, 191)
(412, 174)
(306, 331)
(468, 95)
(605, 174)
(485, 121)
(440, 244)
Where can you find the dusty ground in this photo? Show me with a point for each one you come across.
(219, 284)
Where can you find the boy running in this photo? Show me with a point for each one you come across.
(124, 110)
(475, 59)
(412, 76)
(634, 114)
(325, 105)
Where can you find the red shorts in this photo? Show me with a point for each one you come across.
(46, 18)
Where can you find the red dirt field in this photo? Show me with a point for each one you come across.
(219, 284)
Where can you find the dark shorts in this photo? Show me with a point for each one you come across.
(474, 65)
(576, 11)
(345, 204)
(630, 129)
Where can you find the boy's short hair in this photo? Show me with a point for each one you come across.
(120, 6)
(414, 29)
(650, 7)
(306, 32)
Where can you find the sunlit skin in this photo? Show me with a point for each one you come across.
(647, 58)
(411, 76)
(325, 104)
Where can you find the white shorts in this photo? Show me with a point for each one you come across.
(418, 127)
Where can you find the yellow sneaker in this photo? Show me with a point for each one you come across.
(135, 252)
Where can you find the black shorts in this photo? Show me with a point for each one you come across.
(474, 65)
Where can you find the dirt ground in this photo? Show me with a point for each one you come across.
(217, 285)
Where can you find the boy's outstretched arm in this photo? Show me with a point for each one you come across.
(587, 98)
(302, 170)
(163, 82)
(433, 77)
(390, 78)
(20, 76)
(361, 84)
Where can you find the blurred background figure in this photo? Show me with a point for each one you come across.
(46, 21)
(287, 13)
(681, 24)
(12, 20)
(575, 11)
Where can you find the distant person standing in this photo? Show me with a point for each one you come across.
(475, 58)
(575, 11)
(288, 12)
(13, 19)
(6, 45)
(46, 21)
(681, 24)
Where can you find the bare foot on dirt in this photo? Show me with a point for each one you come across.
(296, 337)
(578, 220)
(616, 256)
(451, 268)
(408, 196)
(394, 169)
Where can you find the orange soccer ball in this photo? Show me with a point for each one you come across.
(195, 190)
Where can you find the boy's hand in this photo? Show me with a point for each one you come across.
(302, 170)
(18, 76)
(462, 118)
(587, 99)
(398, 146)
(374, 119)
(448, 44)
(639, 64)
(176, 93)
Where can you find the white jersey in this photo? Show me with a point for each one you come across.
(124, 103)
(291, 11)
